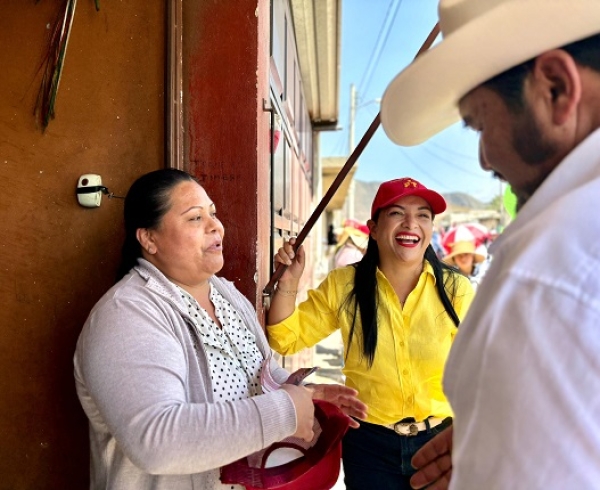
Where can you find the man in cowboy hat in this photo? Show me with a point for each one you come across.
(523, 375)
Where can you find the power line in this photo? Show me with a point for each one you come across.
(454, 152)
(453, 165)
(340, 143)
(379, 45)
(420, 168)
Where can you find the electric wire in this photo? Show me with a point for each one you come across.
(421, 169)
(382, 38)
(450, 150)
(452, 164)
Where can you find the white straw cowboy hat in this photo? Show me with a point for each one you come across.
(482, 38)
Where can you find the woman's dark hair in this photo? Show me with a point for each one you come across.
(363, 297)
(147, 201)
(509, 84)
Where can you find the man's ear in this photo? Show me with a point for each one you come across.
(560, 80)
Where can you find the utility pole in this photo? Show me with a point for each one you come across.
(350, 196)
(352, 118)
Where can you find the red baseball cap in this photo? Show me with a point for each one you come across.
(392, 190)
(317, 469)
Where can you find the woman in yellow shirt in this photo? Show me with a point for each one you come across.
(398, 310)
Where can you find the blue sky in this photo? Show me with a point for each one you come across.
(379, 38)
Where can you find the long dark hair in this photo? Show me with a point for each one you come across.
(147, 201)
(363, 299)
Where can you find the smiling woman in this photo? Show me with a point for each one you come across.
(188, 245)
(398, 310)
(169, 363)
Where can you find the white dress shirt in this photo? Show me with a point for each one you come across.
(523, 376)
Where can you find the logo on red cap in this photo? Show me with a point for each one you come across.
(392, 190)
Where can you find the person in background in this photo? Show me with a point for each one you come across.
(483, 266)
(525, 75)
(169, 361)
(467, 259)
(398, 310)
(351, 247)
(436, 242)
(331, 238)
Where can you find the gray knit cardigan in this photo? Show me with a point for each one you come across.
(148, 394)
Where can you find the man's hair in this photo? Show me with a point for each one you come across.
(509, 84)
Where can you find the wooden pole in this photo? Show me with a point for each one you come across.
(270, 287)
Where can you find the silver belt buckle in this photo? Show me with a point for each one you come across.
(413, 430)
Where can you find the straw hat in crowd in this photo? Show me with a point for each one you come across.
(464, 248)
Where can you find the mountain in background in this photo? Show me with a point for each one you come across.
(364, 193)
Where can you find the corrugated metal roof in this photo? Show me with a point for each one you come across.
(317, 25)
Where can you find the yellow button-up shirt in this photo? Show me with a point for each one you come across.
(413, 342)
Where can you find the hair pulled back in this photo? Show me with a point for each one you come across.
(146, 203)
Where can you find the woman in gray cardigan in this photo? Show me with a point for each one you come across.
(168, 363)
